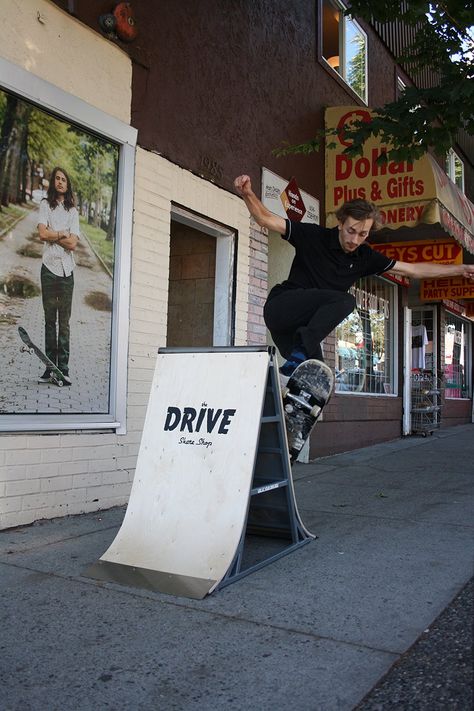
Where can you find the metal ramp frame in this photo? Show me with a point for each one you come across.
(272, 508)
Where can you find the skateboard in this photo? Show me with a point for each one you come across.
(304, 396)
(56, 376)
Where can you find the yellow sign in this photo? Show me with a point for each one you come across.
(399, 188)
(407, 194)
(453, 288)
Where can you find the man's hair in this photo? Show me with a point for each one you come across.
(52, 197)
(360, 210)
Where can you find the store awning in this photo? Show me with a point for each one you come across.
(410, 195)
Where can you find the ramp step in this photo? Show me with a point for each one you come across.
(268, 487)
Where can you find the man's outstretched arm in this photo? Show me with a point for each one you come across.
(428, 270)
(259, 212)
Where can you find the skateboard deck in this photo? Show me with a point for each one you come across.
(304, 396)
(56, 376)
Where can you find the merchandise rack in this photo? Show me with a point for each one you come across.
(425, 402)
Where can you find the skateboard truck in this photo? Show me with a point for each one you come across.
(304, 396)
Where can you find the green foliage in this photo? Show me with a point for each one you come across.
(49, 142)
(97, 238)
(422, 118)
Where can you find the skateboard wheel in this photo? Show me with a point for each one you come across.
(314, 412)
(284, 391)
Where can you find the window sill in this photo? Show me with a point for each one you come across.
(338, 78)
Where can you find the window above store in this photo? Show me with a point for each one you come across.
(401, 86)
(455, 168)
(344, 46)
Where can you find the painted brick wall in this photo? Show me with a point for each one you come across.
(52, 44)
(49, 475)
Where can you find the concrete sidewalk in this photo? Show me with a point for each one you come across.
(314, 631)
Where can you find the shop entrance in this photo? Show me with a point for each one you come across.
(421, 368)
(423, 342)
(201, 283)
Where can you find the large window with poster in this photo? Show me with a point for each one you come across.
(365, 340)
(66, 190)
(457, 354)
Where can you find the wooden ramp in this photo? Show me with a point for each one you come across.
(212, 468)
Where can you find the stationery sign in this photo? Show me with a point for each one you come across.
(284, 198)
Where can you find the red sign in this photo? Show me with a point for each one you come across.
(293, 202)
(454, 307)
(469, 310)
(447, 252)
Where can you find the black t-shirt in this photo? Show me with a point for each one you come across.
(321, 263)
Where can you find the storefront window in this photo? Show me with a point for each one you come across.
(457, 340)
(364, 341)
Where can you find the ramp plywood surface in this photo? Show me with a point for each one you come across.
(194, 470)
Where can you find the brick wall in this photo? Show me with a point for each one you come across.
(258, 284)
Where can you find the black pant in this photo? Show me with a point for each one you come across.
(304, 317)
(57, 302)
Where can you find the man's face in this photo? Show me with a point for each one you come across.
(353, 233)
(60, 182)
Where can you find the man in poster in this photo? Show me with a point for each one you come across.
(58, 228)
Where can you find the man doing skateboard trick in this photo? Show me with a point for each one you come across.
(301, 311)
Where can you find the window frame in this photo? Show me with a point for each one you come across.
(451, 158)
(225, 271)
(65, 106)
(394, 335)
(468, 352)
(341, 76)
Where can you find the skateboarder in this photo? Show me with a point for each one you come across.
(306, 307)
(58, 228)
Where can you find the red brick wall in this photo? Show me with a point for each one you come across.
(258, 284)
(354, 421)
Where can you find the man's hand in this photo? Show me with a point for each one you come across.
(259, 212)
(243, 185)
(68, 241)
(468, 271)
(432, 270)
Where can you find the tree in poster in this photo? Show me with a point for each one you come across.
(94, 170)
(33, 142)
(29, 139)
(14, 151)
